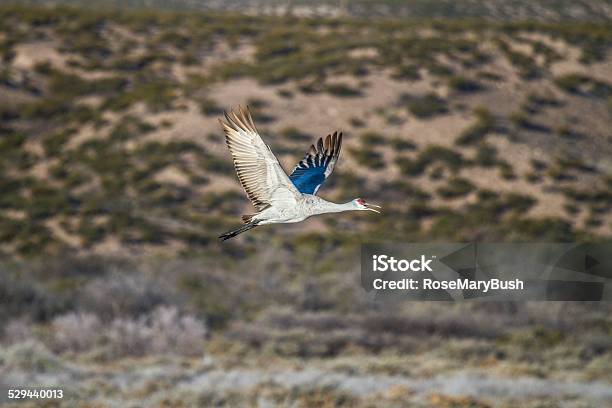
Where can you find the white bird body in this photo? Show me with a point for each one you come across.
(304, 207)
(278, 198)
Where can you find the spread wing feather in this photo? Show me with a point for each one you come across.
(318, 164)
(258, 170)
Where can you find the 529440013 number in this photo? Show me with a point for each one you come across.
(34, 393)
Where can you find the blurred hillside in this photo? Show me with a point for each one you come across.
(461, 130)
(547, 10)
(115, 182)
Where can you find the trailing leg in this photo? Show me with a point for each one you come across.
(233, 233)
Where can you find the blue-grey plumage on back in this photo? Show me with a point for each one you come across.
(317, 165)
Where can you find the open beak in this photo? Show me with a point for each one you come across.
(372, 207)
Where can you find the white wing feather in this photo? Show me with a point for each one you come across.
(259, 171)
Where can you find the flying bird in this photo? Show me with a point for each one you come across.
(279, 198)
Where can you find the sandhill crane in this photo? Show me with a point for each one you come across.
(277, 197)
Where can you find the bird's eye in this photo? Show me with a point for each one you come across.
(361, 201)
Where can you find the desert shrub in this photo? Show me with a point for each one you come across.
(372, 139)
(7, 53)
(424, 324)
(224, 201)
(424, 107)
(437, 69)
(486, 155)
(538, 165)
(571, 209)
(129, 337)
(596, 346)
(356, 122)
(437, 173)
(545, 229)
(75, 266)
(368, 157)
(342, 90)
(258, 108)
(216, 164)
(19, 297)
(526, 65)
(573, 162)
(327, 334)
(399, 144)
(282, 55)
(435, 153)
(257, 104)
(11, 141)
(560, 173)
(174, 38)
(189, 58)
(54, 142)
(312, 86)
(75, 332)
(31, 355)
(570, 82)
(176, 333)
(506, 170)
(464, 84)
(17, 331)
(121, 293)
(209, 107)
(520, 203)
(583, 85)
(456, 187)
(9, 111)
(593, 222)
(11, 198)
(549, 53)
(564, 130)
(129, 128)
(157, 94)
(520, 119)
(543, 99)
(69, 85)
(489, 76)
(420, 209)
(90, 233)
(594, 50)
(46, 108)
(285, 93)
(351, 184)
(407, 73)
(296, 135)
(533, 177)
(390, 115)
(591, 195)
(81, 113)
(164, 331)
(404, 189)
(133, 63)
(485, 123)
(33, 237)
(410, 166)
(280, 42)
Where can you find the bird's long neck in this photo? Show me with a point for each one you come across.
(325, 207)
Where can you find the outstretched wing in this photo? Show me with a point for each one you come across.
(317, 165)
(259, 171)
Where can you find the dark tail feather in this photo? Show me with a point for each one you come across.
(233, 233)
